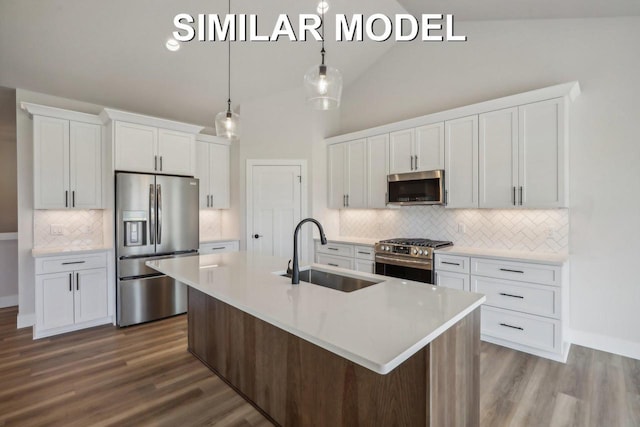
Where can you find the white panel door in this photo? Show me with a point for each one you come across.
(86, 165)
(219, 185)
(498, 157)
(276, 209)
(51, 163)
(461, 161)
(337, 164)
(203, 163)
(401, 151)
(542, 151)
(429, 147)
(357, 174)
(56, 294)
(177, 152)
(136, 147)
(377, 170)
(91, 297)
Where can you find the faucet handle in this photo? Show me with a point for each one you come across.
(289, 270)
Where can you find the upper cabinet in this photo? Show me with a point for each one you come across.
(67, 159)
(212, 169)
(461, 168)
(348, 175)
(377, 170)
(151, 145)
(417, 149)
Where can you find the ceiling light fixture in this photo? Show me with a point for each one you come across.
(323, 7)
(172, 45)
(322, 83)
(228, 122)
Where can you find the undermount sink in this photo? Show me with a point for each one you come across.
(333, 281)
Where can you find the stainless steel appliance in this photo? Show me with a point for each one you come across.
(416, 188)
(410, 259)
(157, 216)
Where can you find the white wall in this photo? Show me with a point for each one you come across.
(283, 127)
(508, 57)
(8, 273)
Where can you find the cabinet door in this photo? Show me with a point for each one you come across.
(357, 174)
(54, 302)
(543, 154)
(51, 163)
(177, 152)
(203, 160)
(91, 300)
(498, 156)
(461, 161)
(336, 174)
(401, 151)
(219, 173)
(365, 266)
(86, 165)
(429, 147)
(457, 281)
(377, 170)
(135, 147)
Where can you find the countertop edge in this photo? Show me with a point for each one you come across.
(46, 252)
(204, 242)
(359, 241)
(533, 257)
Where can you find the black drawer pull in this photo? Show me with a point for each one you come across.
(73, 262)
(217, 249)
(364, 253)
(449, 263)
(511, 295)
(511, 271)
(333, 249)
(333, 265)
(512, 327)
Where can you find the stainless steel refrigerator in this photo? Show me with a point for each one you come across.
(157, 216)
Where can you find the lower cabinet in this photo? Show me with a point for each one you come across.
(345, 255)
(527, 303)
(71, 294)
(219, 247)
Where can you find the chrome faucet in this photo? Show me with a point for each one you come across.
(295, 273)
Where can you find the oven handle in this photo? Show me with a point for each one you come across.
(419, 264)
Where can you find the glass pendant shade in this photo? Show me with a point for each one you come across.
(323, 87)
(228, 125)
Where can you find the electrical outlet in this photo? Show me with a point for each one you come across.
(462, 229)
(57, 230)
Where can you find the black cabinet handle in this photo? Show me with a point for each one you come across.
(73, 262)
(70, 282)
(73, 199)
(333, 265)
(66, 199)
(333, 249)
(520, 196)
(364, 253)
(77, 281)
(511, 271)
(512, 327)
(449, 263)
(511, 295)
(514, 196)
(217, 249)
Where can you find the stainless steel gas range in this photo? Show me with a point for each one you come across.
(410, 259)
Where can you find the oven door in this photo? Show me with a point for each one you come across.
(408, 269)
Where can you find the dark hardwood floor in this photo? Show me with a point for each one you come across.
(144, 375)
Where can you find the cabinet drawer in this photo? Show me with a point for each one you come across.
(453, 263)
(218, 248)
(520, 271)
(459, 281)
(335, 261)
(70, 263)
(339, 249)
(365, 252)
(524, 297)
(519, 328)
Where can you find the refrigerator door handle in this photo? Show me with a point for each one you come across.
(152, 214)
(159, 236)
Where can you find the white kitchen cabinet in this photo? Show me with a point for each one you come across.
(219, 247)
(377, 170)
(348, 175)
(459, 281)
(71, 293)
(452, 271)
(461, 163)
(346, 255)
(67, 164)
(365, 266)
(415, 150)
(336, 261)
(149, 149)
(212, 169)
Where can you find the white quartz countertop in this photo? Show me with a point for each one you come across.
(69, 250)
(220, 240)
(535, 257)
(351, 240)
(378, 327)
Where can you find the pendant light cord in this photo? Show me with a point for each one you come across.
(229, 68)
(322, 24)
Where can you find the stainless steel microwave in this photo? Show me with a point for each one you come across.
(416, 188)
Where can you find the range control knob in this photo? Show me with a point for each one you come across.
(387, 248)
(420, 252)
(415, 251)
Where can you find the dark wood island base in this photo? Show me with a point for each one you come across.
(296, 383)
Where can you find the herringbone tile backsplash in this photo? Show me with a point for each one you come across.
(521, 230)
(80, 228)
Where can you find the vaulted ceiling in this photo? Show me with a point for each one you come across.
(112, 52)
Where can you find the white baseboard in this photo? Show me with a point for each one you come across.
(604, 343)
(26, 320)
(10, 301)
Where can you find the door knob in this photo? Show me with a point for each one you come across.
(257, 236)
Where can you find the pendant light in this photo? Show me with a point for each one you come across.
(322, 83)
(228, 122)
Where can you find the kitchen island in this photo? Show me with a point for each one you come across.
(395, 353)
